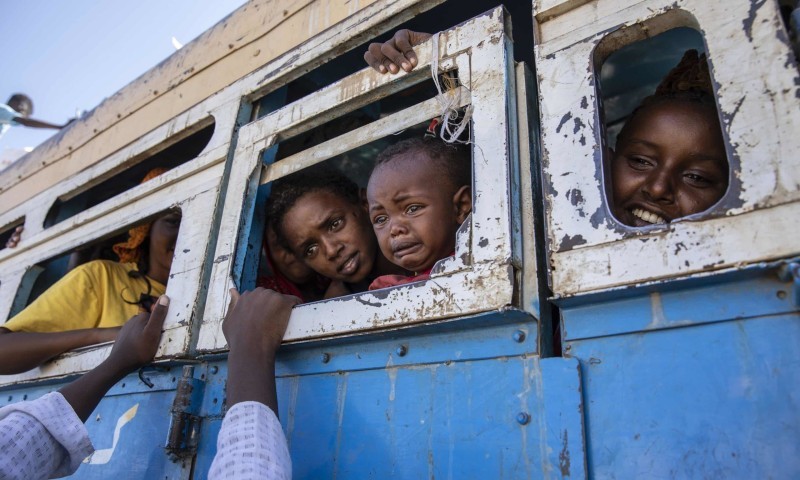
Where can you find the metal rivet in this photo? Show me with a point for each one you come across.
(401, 351)
(523, 418)
(214, 370)
(519, 336)
(325, 358)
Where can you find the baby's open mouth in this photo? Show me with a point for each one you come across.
(648, 217)
(405, 248)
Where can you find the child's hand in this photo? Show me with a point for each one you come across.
(257, 320)
(138, 339)
(396, 53)
(13, 240)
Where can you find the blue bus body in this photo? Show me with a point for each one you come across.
(685, 373)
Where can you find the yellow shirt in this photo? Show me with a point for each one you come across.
(95, 294)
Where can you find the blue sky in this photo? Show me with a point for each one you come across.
(70, 55)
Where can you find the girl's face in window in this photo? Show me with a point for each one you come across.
(332, 235)
(669, 163)
(163, 235)
(286, 262)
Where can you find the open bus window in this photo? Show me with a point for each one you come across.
(302, 259)
(175, 151)
(595, 243)
(665, 152)
(377, 111)
(9, 231)
(143, 252)
(93, 298)
(438, 18)
(790, 14)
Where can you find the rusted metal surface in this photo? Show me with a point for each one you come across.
(184, 428)
(589, 250)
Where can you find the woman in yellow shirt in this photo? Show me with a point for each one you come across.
(89, 304)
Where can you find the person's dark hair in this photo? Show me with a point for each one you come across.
(21, 99)
(452, 161)
(689, 81)
(287, 191)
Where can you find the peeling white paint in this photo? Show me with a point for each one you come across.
(587, 248)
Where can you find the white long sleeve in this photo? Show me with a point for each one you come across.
(43, 438)
(251, 445)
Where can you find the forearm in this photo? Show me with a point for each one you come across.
(44, 438)
(251, 377)
(86, 392)
(32, 122)
(22, 351)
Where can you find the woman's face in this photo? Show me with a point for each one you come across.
(331, 235)
(163, 235)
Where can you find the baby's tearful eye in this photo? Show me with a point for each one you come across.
(379, 220)
(413, 208)
(336, 224)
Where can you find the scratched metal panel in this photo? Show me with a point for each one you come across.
(712, 299)
(128, 428)
(438, 421)
(480, 276)
(591, 251)
(445, 405)
(421, 419)
(714, 401)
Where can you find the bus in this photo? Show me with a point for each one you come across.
(557, 342)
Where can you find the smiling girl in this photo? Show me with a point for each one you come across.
(670, 159)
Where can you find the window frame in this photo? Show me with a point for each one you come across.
(482, 53)
(193, 187)
(588, 250)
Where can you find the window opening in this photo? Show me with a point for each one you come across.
(149, 248)
(665, 152)
(438, 18)
(790, 14)
(167, 155)
(8, 231)
(356, 164)
(282, 266)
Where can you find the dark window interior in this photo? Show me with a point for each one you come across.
(8, 231)
(634, 181)
(43, 275)
(358, 163)
(170, 157)
(634, 71)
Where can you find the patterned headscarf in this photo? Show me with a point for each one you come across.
(130, 251)
(689, 75)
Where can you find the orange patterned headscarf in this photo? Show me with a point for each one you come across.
(130, 251)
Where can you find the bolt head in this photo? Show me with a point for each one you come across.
(519, 336)
(523, 418)
(401, 351)
(325, 358)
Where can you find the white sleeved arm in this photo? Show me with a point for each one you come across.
(43, 438)
(251, 445)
